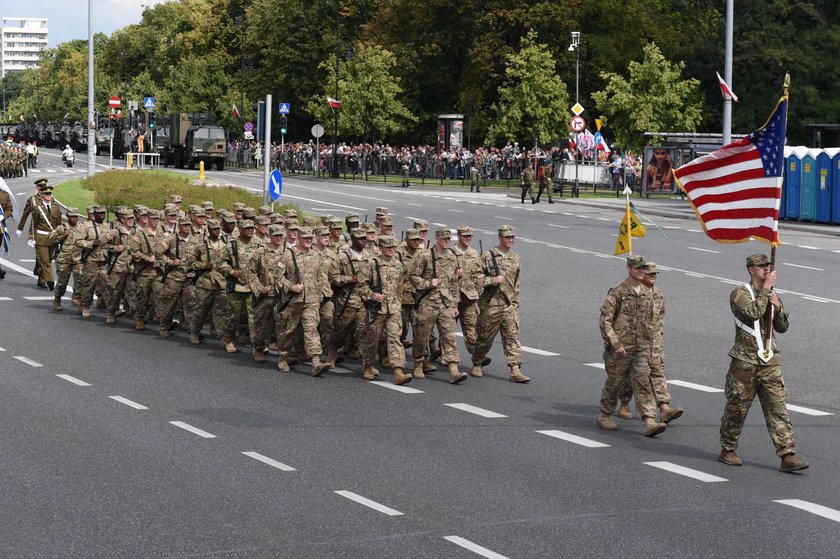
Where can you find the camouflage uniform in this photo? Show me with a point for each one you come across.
(546, 184)
(209, 285)
(168, 251)
(119, 267)
(326, 323)
(68, 260)
(407, 256)
(266, 268)
(142, 247)
(349, 308)
(93, 262)
(239, 304)
(527, 184)
(472, 284)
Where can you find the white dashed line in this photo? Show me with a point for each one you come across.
(538, 351)
(474, 547)
(688, 472)
(503, 217)
(813, 508)
(808, 247)
(27, 260)
(416, 205)
(5, 298)
(700, 387)
(598, 366)
(817, 299)
(588, 443)
(74, 380)
(807, 411)
(671, 227)
(398, 388)
(269, 461)
(693, 275)
(28, 361)
(368, 503)
(694, 230)
(456, 211)
(2, 349)
(128, 402)
(43, 298)
(803, 267)
(704, 250)
(440, 224)
(555, 225)
(191, 429)
(476, 410)
(730, 282)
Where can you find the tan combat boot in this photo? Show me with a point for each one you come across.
(85, 312)
(456, 376)
(57, 304)
(729, 457)
(606, 422)
(652, 428)
(385, 362)
(418, 370)
(332, 356)
(368, 372)
(624, 411)
(516, 375)
(319, 368)
(790, 463)
(667, 414)
(282, 364)
(75, 300)
(139, 323)
(428, 367)
(164, 333)
(400, 377)
(230, 347)
(476, 371)
(194, 339)
(258, 355)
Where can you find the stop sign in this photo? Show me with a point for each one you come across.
(114, 102)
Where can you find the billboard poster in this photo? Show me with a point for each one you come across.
(657, 177)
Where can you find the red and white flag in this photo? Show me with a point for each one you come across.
(234, 112)
(335, 104)
(736, 190)
(725, 90)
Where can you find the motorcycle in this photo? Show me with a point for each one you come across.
(68, 159)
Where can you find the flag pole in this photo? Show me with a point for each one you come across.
(627, 218)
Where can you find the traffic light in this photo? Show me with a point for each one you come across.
(151, 120)
(283, 124)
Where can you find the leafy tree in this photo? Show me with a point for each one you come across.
(533, 99)
(655, 98)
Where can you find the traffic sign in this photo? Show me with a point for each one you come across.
(577, 123)
(285, 108)
(249, 127)
(249, 135)
(148, 102)
(577, 108)
(132, 105)
(114, 102)
(317, 131)
(275, 184)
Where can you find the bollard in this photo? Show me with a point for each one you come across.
(201, 170)
(128, 161)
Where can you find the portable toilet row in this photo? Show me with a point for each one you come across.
(811, 185)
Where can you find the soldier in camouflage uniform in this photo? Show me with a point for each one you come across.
(435, 277)
(628, 330)
(93, 260)
(750, 374)
(406, 253)
(266, 268)
(304, 280)
(327, 308)
(349, 307)
(499, 306)
(142, 247)
(337, 242)
(239, 304)
(472, 284)
(207, 261)
(171, 254)
(68, 260)
(527, 184)
(383, 294)
(119, 266)
(546, 184)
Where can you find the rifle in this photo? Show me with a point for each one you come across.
(234, 250)
(372, 306)
(177, 257)
(112, 259)
(285, 304)
(349, 288)
(201, 271)
(86, 252)
(151, 252)
(434, 275)
(490, 292)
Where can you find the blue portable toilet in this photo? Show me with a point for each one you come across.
(808, 186)
(793, 174)
(824, 184)
(783, 200)
(835, 186)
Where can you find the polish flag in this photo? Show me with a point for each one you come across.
(725, 90)
(335, 104)
(234, 112)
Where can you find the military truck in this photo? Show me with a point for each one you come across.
(193, 138)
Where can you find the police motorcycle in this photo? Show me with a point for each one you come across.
(68, 156)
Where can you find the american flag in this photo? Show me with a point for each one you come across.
(736, 190)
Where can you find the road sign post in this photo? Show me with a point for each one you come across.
(267, 148)
(114, 102)
(317, 131)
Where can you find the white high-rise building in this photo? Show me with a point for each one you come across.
(21, 41)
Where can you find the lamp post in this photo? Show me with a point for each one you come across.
(335, 112)
(90, 122)
(575, 46)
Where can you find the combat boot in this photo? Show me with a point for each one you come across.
(292, 361)
(729, 457)
(476, 371)
(624, 411)
(428, 367)
(790, 463)
(652, 428)
(318, 368)
(667, 414)
(368, 372)
(57, 304)
(435, 354)
(258, 355)
(282, 366)
(139, 323)
(400, 377)
(100, 303)
(332, 357)
(194, 339)
(385, 362)
(418, 370)
(230, 347)
(85, 312)
(516, 375)
(606, 422)
(486, 361)
(75, 300)
(164, 333)
(456, 376)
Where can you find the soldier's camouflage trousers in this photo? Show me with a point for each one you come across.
(351, 321)
(527, 190)
(93, 275)
(306, 315)
(143, 287)
(263, 321)
(743, 382)
(238, 307)
(326, 323)
(631, 368)
(166, 302)
(391, 324)
(63, 271)
(205, 300)
(118, 282)
(491, 320)
(468, 316)
(657, 381)
(427, 314)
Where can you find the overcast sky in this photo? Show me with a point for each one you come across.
(67, 19)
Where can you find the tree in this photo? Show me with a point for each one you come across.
(654, 99)
(533, 99)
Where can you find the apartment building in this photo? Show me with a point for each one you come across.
(21, 41)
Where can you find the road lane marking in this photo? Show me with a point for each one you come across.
(398, 388)
(700, 387)
(694, 230)
(368, 503)
(817, 299)
(555, 225)
(807, 411)
(74, 380)
(456, 211)
(194, 430)
(27, 360)
(5, 298)
(588, 443)
(440, 224)
(416, 205)
(538, 351)
(474, 547)
(704, 250)
(269, 461)
(43, 298)
(27, 260)
(323, 202)
(503, 217)
(129, 403)
(2, 349)
(808, 247)
(599, 366)
(476, 410)
(813, 508)
(344, 193)
(730, 282)
(692, 274)
(803, 267)
(688, 472)
(671, 227)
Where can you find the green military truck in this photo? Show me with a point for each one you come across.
(193, 138)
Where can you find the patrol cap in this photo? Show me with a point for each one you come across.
(335, 223)
(381, 211)
(321, 231)
(305, 232)
(276, 230)
(757, 260)
(153, 214)
(507, 231)
(265, 210)
(290, 212)
(326, 218)
(120, 208)
(120, 214)
(99, 209)
(246, 224)
(358, 233)
(369, 227)
(207, 205)
(650, 268)
(277, 219)
(40, 183)
(262, 220)
(170, 210)
(138, 207)
(73, 212)
(229, 218)
(176, 199)
(412, 235)
(184, 221)
(309, 221)
(386, 220)
(352, 218)
(91, 209)
(213, 224)
(421, 224)
(465, 230)
(238, 206)
(293, 226)
(387, 241)
(249, 213)
(443, 232)
(142, 210)
(195, 209)
(636, 261)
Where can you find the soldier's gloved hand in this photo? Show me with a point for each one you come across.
(30, 242)
(435, 282)
(208, 266)
(96, 243)
(18, 233)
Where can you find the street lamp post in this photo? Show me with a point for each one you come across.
(575, 46)
(90, 122)
(335, 112)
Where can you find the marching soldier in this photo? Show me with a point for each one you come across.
(406, 253)
(171, 254)
(118, 268)
(142, 247)
(327, 309)
(527, 184)
(207, 261)
(546, 184)
(68, 259)
(45, 216)
(266, 269)
(239, 308)
(93, 260)
(349, 308)
(472, 284)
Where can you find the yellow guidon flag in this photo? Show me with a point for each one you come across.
(630, 227)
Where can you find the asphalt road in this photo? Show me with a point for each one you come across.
(120, 444)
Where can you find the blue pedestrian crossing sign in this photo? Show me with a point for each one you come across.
(148, 102)
(285, 108)
(275, 184)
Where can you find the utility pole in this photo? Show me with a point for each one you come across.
(727, 73)
(91, 125)
(575, 46)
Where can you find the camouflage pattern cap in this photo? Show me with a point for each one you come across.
(381, 211)
(507, 231)
(171, 210)
(412, 235)
(262, 220)
(335, 223)
(213, 224)
(142, 210)
(246, 224)
(121, 213)
(650, 268)
(465, 230)
(636, 261)
(277, 219)
(290, 212)
(757, 260)
(352, 218)
(207, 204)
(154, 214)
(421, 224)
(358, 233)
(176, 199)
(276, 230)
(321, 231)
(238, 206)
(100, 209)
(249, 213)
(184, 221)
(229, 218)
(310, 221)
(387, 241)
(91, 209)
(443, 232)
(386, 220)
(265, 210)
(369, 227)
(73, 212)
(305, 232)
(293, 226)
(120, 208)
(326, 218)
